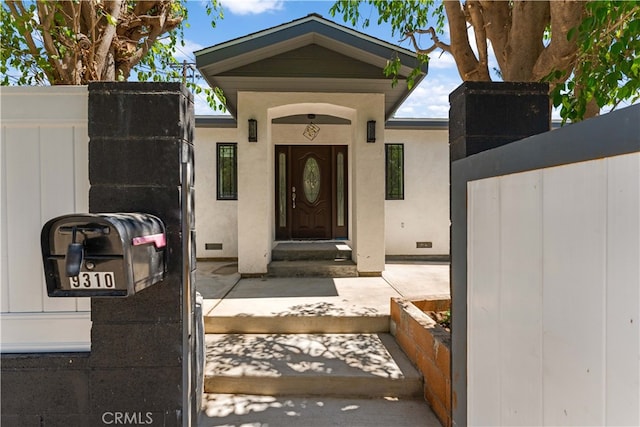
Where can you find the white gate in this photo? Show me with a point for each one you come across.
(44, 172)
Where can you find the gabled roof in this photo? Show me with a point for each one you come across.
(311, 54)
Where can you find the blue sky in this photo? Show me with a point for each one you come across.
(241, 17)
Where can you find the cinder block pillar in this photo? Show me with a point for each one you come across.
(482, 116)
(141, 160)
(486, 115)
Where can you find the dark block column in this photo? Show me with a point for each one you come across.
(482, 116)
(141, 160)
(485, 115)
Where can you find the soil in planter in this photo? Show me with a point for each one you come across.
(443, 318)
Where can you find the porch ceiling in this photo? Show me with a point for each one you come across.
(311, 54)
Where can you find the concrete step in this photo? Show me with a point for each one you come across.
(356, 365)
(311, 305)
(309, 251)
(314, 411)
(315, 268)
(293, 324)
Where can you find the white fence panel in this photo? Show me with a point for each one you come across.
(573, 293)
(44, 173)
(554, 296)
(520, 251)
(623, 291)
(484, 260)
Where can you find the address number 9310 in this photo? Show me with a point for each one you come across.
(93, 280)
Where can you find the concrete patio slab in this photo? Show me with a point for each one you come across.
(418, 278)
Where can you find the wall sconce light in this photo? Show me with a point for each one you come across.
(253, 130)
(371, 131)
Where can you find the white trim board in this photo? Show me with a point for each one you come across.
(45, 332)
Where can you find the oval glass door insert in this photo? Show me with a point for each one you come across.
(311, 180)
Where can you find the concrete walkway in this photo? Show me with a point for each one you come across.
(225, 292)
(253, 302)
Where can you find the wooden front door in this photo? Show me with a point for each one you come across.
(311, 192)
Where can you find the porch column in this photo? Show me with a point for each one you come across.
(255, 187)
(368, 198)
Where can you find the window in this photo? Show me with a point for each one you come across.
(394, 173)
(227, 171)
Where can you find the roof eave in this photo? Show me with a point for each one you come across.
(219, 53)
(389, 114)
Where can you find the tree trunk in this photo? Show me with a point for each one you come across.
(561, 53)
(528, 22)
(468, 65)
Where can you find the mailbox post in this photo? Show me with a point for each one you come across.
(142, 346)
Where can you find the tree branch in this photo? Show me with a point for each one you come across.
(46, 15)
(466, 60)
(434, 37)
(497, 20)
(158, 25)
(561, 53)
(107, 37)
(88, 27)
(19, 13)
(477, 20)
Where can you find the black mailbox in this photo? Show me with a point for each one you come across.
(110, 255)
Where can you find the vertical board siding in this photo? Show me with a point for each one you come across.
(623, 291)
(81, 179)
(44, 174)
(56, 173)
(23, 216)
(554, 296)
(484, 315)
(4, 253)
(574, 204)
(521, 299)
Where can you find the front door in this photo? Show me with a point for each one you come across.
(310, 192)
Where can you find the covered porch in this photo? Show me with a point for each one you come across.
(309, 101)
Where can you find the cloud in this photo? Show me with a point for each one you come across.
(251, 7)
(429, 100)
(442, 61)
(186, 52)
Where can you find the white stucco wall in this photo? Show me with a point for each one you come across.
(423, 215)
(256, 173)
(216, 220)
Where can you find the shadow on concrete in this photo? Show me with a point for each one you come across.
(281, 355)
(285, 411)
(285, 288)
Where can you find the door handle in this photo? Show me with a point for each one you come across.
(293, 196)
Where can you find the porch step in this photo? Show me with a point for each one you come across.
(297, 324)
(314, 411)
(309, 251)
(356, 365)
(313, 268)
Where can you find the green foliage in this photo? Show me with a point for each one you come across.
(404, 16)
(14, 53)
(33, 53)
(606, 71)
(608, 61)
